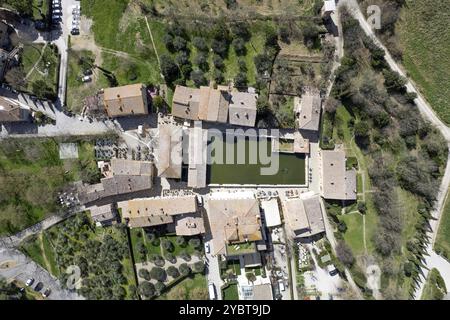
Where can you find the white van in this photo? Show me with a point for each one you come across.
(281, 285)
(212, 291)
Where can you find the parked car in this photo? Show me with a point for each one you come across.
(332, 270)
(207, 248)
(200, 200)
(46, 293)
(212, 291)
(39, 286)
(75, 31)
(86, 79)
(29, 282)
(281, 285)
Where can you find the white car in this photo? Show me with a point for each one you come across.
(207, 248)
(57, 11)
(212, 291)
(86, 79)
(29, 282)
(200, 200)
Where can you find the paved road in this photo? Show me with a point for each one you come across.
(435, 261)
(23, 268)
(65, 125)
(428, 112)
(213, 271)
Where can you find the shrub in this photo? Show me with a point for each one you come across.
(194, 242)
(181, 241)
(199, 267)
(173, 272)
(185, 256)
(168, 245)
(200, 44)
(147, 289)
(144, 274)
(345, 254)
(362, 207)
(159, 287)
(185, 269)
(158, 274)
(171, 257)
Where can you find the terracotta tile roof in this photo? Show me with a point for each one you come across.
(125, 100)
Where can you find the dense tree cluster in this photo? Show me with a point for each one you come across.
(389, 129)
(100, 262)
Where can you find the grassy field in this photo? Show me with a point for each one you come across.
(426, 50)
(442, 243)
(230, 292)
(45, 68)
(192, 288)
(76, 89)
(118, 28)
(40, 9)
(434, 287)
(31, 175)
(354, 236)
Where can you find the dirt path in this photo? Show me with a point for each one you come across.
(153, 42)
(37, 62)
(44, 256)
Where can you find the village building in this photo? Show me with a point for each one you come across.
(169, 154)
(291, 143)
(307, 111)
(215, 105)
(123, 177)
(242, 109)
(338, 183)
(261, 291)
(103, 215)
(127, 100)
(271, 212)
(198, 139)
(304, 216)
(235, 223)
(11, 111)
(148, 212)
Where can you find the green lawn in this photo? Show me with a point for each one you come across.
(46, 71)
(230, 292)
(434, 287)
(354, 235)
(30, 54)
(442, 244)
(31, 175)
(40, 9)
(420, 28)
(32, 248)
(77, 91)
(118, 29)
(193, 287)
